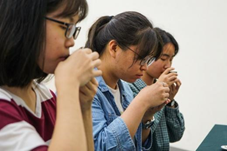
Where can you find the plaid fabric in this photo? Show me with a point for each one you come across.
(168, 125)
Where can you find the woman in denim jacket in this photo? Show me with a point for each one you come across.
(126, 44)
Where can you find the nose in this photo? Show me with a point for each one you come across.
(168, 64)
(70, 42)
(143, 67)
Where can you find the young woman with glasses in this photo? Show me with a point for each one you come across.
(126, 44)
(34, 42)
(169, 122)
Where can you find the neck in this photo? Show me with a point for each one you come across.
(108, 76)
(149, 80)
(27, 94)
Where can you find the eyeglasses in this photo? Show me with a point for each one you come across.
(147, 60)
(71, 30)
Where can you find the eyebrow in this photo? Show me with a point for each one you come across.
(165, 55)
(71, 20)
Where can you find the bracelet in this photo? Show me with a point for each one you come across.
(148, 124)
(172, 103)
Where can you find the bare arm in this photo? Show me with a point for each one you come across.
(148, 116)
(69, 132)
(148, 97)
(70, 75)
(87, 94)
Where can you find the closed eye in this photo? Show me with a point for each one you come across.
(163, 59)
(63, 27)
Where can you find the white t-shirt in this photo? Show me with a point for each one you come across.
(117, 98)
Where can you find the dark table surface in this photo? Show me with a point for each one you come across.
(215, 139)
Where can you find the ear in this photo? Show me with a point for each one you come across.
(112, 45)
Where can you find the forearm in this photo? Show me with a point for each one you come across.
(133, 115)
(87, 118)
(175, 123)
(69, 133)
(115, 135)
(145, 134)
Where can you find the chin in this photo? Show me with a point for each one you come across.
(49, 71)
(130, 80)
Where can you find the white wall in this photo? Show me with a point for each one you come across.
(200, 27)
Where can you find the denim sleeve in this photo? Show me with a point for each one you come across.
(109, 131)
(175, 123)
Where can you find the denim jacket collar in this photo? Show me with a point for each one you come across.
(103, 86)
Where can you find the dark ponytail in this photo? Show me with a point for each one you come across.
(94, 31)
(127, 28)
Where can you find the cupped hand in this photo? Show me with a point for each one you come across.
(78, 68)
(168, 77)
(174, 89)
(155, 94)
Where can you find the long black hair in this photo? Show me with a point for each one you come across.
(127, 28)
(23, 32)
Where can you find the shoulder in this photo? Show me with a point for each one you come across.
(4, 95)
(136, 86)
(43, 92)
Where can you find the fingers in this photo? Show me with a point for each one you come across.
(164, 84)
(178, 83)
(90, 87)
(165, 90)
(94, 81)
(168, 70)
(97, 73)
(94, 56)
(167, 101)
(84, 89)
(87, 50)
(82, 96)
(168, 77)
(96, 63)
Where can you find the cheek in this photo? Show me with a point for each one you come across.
(51, 56)
(154, 70)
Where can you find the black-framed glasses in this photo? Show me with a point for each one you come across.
(71, 29)
(147, 60)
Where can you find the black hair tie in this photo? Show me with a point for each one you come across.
(110, 17)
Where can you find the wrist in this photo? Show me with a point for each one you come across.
(147, 124)
(147, 116)
(86, 107)
(66, 87)
(172, 103)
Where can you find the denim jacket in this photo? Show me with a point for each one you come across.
(109, 130)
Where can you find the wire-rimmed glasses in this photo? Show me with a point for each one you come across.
(147, 60)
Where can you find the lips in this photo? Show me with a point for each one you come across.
(64, 57)
(139, 75)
